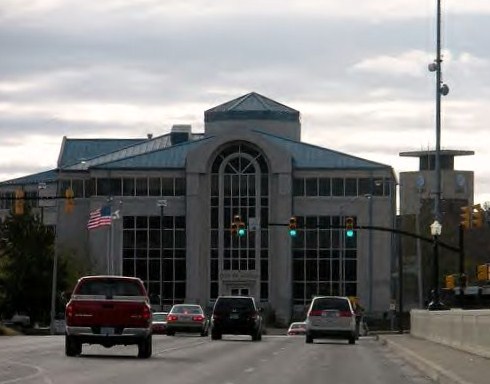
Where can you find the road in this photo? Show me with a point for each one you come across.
(192, 359)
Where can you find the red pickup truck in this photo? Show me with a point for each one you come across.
(108, 310)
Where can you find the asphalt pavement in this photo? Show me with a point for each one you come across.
(441, 363)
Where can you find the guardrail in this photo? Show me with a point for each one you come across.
(462, 329)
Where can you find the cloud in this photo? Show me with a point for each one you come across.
(406, 64)
(356, 70)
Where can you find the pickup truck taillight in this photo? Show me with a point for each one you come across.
(69, 312)
(146, 312)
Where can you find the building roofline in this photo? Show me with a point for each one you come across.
(443, 152)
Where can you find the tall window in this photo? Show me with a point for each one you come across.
(239, 186)
(143, 237)
(324, 259)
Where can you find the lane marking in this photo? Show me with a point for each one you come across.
(39, 372)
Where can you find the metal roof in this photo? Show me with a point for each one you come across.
(442, 152)
(311, 156)
(304, 155)
(146, 146)
(41, 177)
(251, 106)
(76, 150)
(167, 157)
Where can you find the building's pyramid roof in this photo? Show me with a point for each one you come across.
(251, 106)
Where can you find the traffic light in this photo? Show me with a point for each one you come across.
(234, 224)
(483, 272)
(465, 216)
(238, 226)
(241, 229)
(450, 281)
(292, 227)
(19, 202)
(69, 202)
(478, 216)
(349, 227)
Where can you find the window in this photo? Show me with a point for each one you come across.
(324, 260)
(143, 257)
(337, 187)
(239, 185)
(311, 186)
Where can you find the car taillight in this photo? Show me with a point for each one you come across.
(316, 313)
(345, 314)
(69, 311)
(146, 313)
(198, 318)
(171, 318)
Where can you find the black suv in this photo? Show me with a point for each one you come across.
(236, 315)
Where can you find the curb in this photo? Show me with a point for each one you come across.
(435, 372)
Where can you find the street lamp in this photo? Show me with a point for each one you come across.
(162, 204)
(435, 304)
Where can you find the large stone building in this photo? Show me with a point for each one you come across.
(174, 197)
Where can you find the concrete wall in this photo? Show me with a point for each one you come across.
(462, 329)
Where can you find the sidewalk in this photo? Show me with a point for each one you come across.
(441, 363)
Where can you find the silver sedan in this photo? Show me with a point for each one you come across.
(187, 318)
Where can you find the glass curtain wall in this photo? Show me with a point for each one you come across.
(157, 255)
(324, 259)
(239, 186)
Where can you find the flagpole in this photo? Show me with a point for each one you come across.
(112, 245)
(108, 253)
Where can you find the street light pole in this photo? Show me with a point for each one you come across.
(441, 89)
(436, 304)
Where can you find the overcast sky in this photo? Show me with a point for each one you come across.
(355, 69)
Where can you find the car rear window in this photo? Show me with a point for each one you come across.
(187, 309)
(239, 304)
(110, 288)
(159, 317)
(327, 303)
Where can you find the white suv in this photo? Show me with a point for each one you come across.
(331, 317)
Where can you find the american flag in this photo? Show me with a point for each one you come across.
(100, 217)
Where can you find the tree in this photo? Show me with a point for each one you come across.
(26, 266)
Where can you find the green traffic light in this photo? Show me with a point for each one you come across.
(241, 232)
(292, 232)
(349, 233)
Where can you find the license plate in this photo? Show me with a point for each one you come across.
(234, 316)
(329, 314)
(106, 331)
